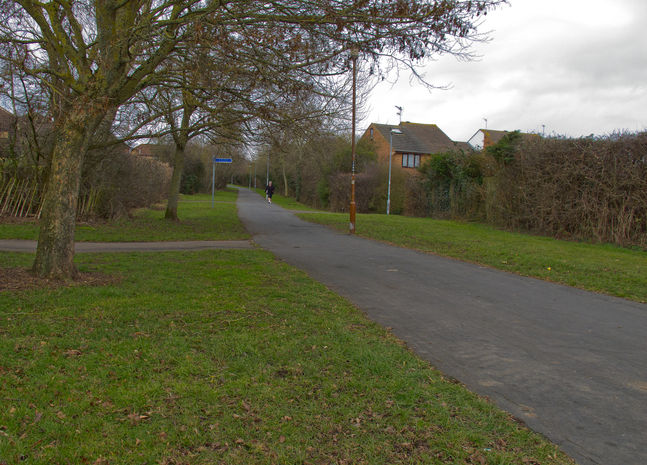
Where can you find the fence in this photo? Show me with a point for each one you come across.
(22, 198)
(19, 197)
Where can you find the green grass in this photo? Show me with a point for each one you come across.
(227, 357)
(286, 202)
(602, 268)
(198, 221)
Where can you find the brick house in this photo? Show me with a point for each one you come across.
(161, 152)
(7, 121)
(484, 138)
(7, 128)
(145, 150)
(413, 143)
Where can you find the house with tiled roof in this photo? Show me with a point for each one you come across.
(145, 150)
(7, 123)
(7, 130)
(484, 138)
(161, 152)
(410, 143)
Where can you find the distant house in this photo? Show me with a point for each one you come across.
(483, 138)
(7, 123)
(7, 130)
(412, 143)
(145, 150)
(162, 152)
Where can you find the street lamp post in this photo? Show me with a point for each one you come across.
(354, 53)
(388, 195)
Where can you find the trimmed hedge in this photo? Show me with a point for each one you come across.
(586, 189)
(592, 189)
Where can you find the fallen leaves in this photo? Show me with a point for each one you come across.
(138, 334)
(136, 418)
(477, 459)
(72, 353)
(529, 461)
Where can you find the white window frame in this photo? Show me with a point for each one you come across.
(410, 160)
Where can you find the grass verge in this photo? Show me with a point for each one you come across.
(286, 202)
(227, 357)
(597, 267)
(198, 221)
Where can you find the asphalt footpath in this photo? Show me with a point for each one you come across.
(570, 364)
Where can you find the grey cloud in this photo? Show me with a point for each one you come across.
(576, 78)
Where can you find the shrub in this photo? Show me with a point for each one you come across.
(587, 189)
(505, 150)
(416, 198)
(450, 185)
(194, 173)
(323, 194)
(122, 181)
(366, 187)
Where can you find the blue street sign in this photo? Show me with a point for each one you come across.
(222, 160)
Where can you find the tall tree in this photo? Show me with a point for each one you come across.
(95, 55)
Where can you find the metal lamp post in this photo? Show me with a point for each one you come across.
(213, 182)
(354, 53)
(388, 195)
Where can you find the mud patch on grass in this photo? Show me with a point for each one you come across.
(21, 279)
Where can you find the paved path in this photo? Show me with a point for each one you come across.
(571, 364)
(80, 247)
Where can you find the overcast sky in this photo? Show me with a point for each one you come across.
(579, 67)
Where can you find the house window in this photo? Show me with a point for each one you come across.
(410, 160)
(371, 133)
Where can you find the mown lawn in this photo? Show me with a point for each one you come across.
(227, 357)
(198, 221)
(597, 267)
(286, 202)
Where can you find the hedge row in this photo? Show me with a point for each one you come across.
(592, 189)
(589, 189)
(114, 184)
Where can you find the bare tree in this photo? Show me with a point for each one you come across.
(95, 55)
(28, 141)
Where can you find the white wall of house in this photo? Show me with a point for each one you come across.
(477, 141)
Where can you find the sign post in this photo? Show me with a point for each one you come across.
(215, 160)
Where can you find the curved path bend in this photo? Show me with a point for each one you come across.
(571, 364)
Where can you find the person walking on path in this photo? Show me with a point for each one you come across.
(269, 191)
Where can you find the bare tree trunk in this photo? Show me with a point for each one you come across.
(285, 177)
(299, 177)
(176, 179)
(181, 138)
(55, 251)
